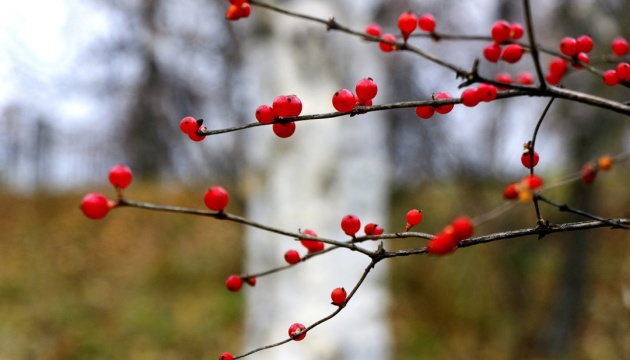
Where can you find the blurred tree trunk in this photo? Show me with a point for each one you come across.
(325, 170)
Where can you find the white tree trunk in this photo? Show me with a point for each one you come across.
(326, 170)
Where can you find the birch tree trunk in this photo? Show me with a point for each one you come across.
(326, 170)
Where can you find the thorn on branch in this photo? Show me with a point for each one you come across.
(332, 24)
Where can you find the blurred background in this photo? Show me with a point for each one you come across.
(89, 84)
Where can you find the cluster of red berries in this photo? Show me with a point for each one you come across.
(345, 100)
(372, 229)
(427, 111)
(193, 128)
(621, 73)
(501, 33)
(293, 256)
(576, 48)
(238, 9)
(522, 190)
(484, 92)
(523, 78)
(283, 106)
(95, 205)
(408, 22)
(235, 282)
(446, 241)
(589, 170)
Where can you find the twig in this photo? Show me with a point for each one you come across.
(322, 320)
(567, 208)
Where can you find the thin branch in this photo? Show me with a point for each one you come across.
(533, 47)
(241, 220)
(541, 222)
(540, 231)
(567, 208)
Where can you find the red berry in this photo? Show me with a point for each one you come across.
(372, 229)
(525, 78)
(251, 281)
(234, 283)
(373, 29)
(120, 176)
(226, 356)
(500, 31)
(569, 46)
(386, 47)
(619, 46)
(470, 97)
(366, 89)
(95, 206)
(510, 192)
(238, 2)
(245, 10)
(287, 105)
(492, 52)
(283, 130)
(295, 105)
(426, 22)
(462, 228)
(443, 109)
(296, 332)
(486, 92)
(344, 100)
(233, 13)
(413, 217)
(584, 44)
(369, 228)
(425, 111)
(526, 159)
(533, 182)
(188, 125)
(407, 23)
(588, 173)
(292, 256)
(216, 198)
(443, 243)
(194, 136)
(558, 66)
(265, 114)
(364, 102)
(516, 31)
(512, 53)
(553, 79)
(311, 245)
(338, 296)
(281, 106)
(623, 71)
(583, 58)
(350, 224)
(503, 78)
(610, 77)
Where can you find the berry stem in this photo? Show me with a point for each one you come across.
(531, 156)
